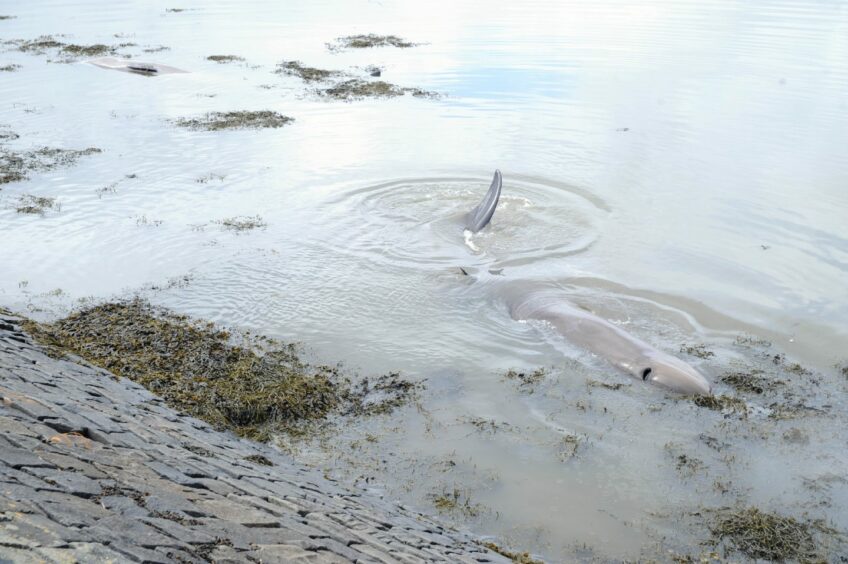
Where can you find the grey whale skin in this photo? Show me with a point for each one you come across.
(622, 350)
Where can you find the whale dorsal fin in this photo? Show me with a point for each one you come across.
(480, 216)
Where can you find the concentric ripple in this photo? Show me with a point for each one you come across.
(418, 222)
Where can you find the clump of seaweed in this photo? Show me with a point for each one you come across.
(96, 50)
(527, 381)
(7, 17)
(36, 205)
(308, 74)
(568, 446)
(224, 58)
(216, 121)
(751, 382)
(766, 536)
(38, 45)
(14, 167)
(259, 459)
(368, 41)
(357, 89)
(455, 502)
(517, 557)
(698, 350)
(725, 404)
(240, 224)
(254, 387)
(10, 68)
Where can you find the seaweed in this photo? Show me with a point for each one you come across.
(751, 382)
(14, 167)
(224, 58)
(699, 350)
(96, 50)
(357, 89)
(308, 74)
(455, 502)
(254, 387)
(725, 404)
(10, 68)
(216, 121)
(240, 224)
(7, 17)
(517, 557)
(527, 381)
(368, 41)
(259, 459)
(36, 205)
(767, 536)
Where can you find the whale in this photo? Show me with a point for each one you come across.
(527, 300)
(135, 67)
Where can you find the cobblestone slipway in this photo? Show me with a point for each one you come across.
(96, 469)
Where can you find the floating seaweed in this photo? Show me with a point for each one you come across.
(368, 41)
(216, 121)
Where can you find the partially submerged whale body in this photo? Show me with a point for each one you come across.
(135, 67)
(622, 350)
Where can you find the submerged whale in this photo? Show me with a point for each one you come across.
(135, 67)
(622, 350)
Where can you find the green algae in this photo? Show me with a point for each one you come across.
(308, 74)
(357, 89)
(252, 386)
(767, 536)
(368, 41)
(216, 121)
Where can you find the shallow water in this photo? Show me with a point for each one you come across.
(679, 168)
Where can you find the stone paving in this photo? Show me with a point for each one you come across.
(97, 469)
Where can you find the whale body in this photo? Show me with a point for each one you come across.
(135, 67)
(624, 351)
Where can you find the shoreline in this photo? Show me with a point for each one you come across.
(97, 467)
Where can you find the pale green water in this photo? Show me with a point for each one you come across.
(736, 126)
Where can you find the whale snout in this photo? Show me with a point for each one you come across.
(676, 375)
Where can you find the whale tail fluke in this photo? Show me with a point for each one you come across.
(480, 216)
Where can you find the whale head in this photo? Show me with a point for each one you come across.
(674, 374)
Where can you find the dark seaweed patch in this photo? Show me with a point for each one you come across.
(255, 388)
(15, 167)
(224, 58)
(368, 41)
(767, 536)
(308, 74)
(357, 89)
(216, 121)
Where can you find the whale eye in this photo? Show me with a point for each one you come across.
(645, 374)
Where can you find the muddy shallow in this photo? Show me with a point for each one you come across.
(678, 169)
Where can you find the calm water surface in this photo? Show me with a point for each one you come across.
(677, 167)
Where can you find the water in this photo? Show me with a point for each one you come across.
(679, 168)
